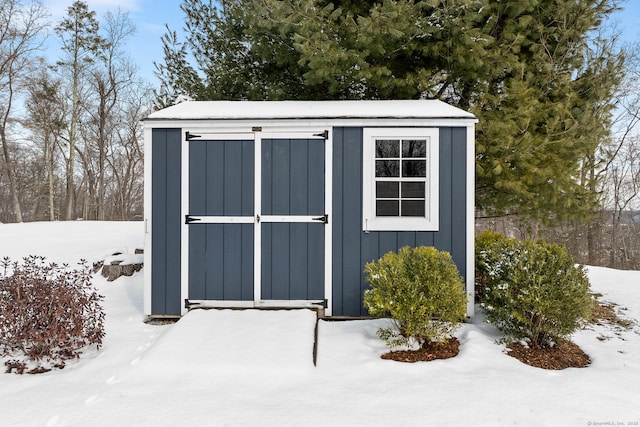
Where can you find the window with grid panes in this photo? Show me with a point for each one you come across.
(400, 178)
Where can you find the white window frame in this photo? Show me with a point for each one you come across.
(371, 222)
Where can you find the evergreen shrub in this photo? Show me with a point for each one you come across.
(531, 290)
(493, 260)
(48, 314)
(421, 290)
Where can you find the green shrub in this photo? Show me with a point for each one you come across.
(48, 314)
(421, 290)
(494, 259)
(531, 290)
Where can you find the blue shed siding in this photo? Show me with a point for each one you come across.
(353, 248)
(165, 221)
(458, 211)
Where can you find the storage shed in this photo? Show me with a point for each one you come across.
(282, 203)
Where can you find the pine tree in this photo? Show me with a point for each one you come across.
(526, 68)
(226, 54)
(78, 32)
(545, 114)
(46, 120)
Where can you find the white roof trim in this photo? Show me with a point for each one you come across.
(276, 110)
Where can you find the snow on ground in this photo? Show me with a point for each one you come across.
(70, 241)
(254, 368)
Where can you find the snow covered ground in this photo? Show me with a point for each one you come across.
(254, 368)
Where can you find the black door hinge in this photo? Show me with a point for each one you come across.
(189, 136)
(324, 218)
(324, 134)
(189, 219)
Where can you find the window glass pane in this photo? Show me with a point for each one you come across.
(387, 168)
(387, 208)
(387, 190)
(413, 190)
(387, 148)
(414, 148)
(413, 208)
(414, 168)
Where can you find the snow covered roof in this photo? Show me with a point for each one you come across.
(237, 110)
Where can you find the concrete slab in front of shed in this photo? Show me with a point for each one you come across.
(233, 341)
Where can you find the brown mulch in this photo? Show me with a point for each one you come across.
(429, 351)
(564, 354)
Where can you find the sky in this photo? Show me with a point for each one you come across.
(150, 17)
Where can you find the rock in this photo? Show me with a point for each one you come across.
(120, 264)
(97, 266)
(115, 269)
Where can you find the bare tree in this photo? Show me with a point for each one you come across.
(623, 191)
(79, 136)
(112, 76)
(22, 27)
(127, 154)
(620, 168)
